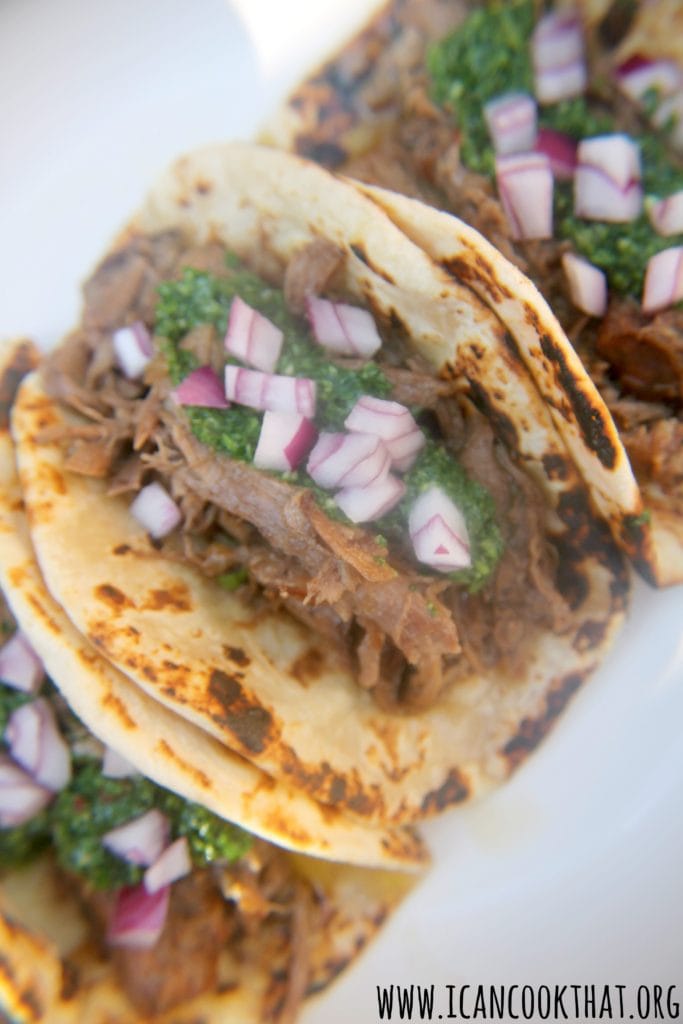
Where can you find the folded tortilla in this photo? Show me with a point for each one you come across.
(377, 120)
(51, 968)
(207, 654)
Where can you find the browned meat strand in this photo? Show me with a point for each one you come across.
(645, 354)
(184, 961)
(310, 272)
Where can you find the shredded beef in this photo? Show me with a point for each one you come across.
(310, 272)
(645, 354)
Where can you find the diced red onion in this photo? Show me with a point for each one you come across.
(511, 121)
(607, 179)
(525, 185)
(558, 57)
(393, 423)
(638, 75)
(133, 349)
(560, 150)
(663, 280)
(140, 841)
(138, 918)
(156, 510)
(364, 504)
(285, 440)
(201, 387)
(36, 743)
(438, 532)
(348, 460)
(270, 391)
(587, 284)
(114, 766)
(666, 215)
(346, 330)
(252, 338)
(20, 666)
(21, 798)
(172, 864)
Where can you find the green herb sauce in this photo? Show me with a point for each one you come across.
(92, 805)
(489, 55)
(74, 823)
(200, 298)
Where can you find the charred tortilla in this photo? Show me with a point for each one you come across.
(377, 120)
(231, 666)
(53, 967)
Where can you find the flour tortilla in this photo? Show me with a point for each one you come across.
(42, 931)
(329, 738)
(331, 116)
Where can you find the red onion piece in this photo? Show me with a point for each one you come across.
(20, 666)
(438, 531)
(346, 330)
(285, 440)
(663, 280)
(525, 185)
(393, 423)
(21, 798)
(364, 504)
(252, 338)
(558, 57)
(201, 387)
(666, 215)
(133, 349)
(172, 864)
(156, 510)
(560, 150)
(607, 179)
(638, 75)
(511, 121)
(138, 918)
(114, 766)
(270, 391)
(36, 743)
(140, 841)
(348, 460)
(587, 284)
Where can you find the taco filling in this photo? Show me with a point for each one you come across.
(564, 152)
(309, 509)
(163, 886)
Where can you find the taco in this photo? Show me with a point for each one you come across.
(414, 120)
(239, 923)
(377, 676)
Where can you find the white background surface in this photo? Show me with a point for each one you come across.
(573, 872)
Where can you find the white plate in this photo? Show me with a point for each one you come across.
(572, 873)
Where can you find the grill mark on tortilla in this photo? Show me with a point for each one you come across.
(329, 154)
(556, 466)
(237, 655)
(24, 359)
(113, 597)
(452, 791)
(201, 777)
(174, 598)
(532, 730)
(461, 269)
(250, 723)
(502, 424)
(590, 635)
(359, 252)
(121, 549)
(588, 417)
(307, 666)
(116, 704)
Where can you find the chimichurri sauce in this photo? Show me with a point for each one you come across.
(489, 55)
(202, 298)
(75, 821)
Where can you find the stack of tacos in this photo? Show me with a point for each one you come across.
(251, 909)
(318, 647)
(415, 122)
